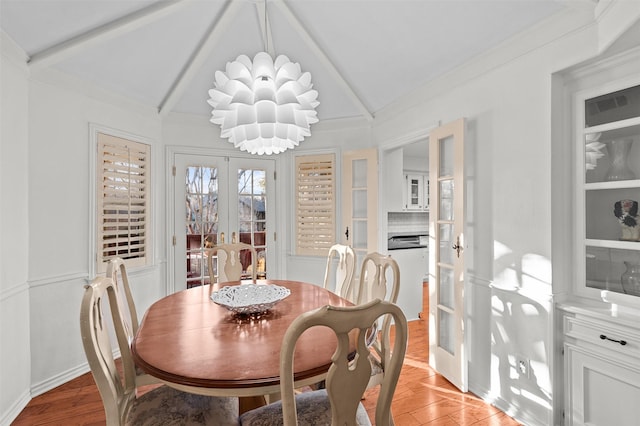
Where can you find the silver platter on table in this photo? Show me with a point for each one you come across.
(250, 298)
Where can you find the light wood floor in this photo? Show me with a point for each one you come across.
(422, 397)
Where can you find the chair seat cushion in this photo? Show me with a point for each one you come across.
(168, 407)
(376, 366)
(313, 409)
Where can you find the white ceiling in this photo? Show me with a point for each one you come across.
(363, 55)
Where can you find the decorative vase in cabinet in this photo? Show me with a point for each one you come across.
(631, 279)
(619, 152)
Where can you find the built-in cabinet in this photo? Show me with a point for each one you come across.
(602, 366)
(599, 315)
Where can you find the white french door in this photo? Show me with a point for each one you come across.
(446, 253)
(360, 202)
(221, 199)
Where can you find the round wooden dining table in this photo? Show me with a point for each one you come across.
(193, 344)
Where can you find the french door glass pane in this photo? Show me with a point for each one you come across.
(446, 333)
(445, 254)
(359, 179)
(359, 204)
(359, 234)
(446, 157)
(201, 220)
(446, 199)
(446, 287)
(252, 202)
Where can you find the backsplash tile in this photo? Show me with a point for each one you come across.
(408, 222)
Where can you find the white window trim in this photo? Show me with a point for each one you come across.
(94, 130)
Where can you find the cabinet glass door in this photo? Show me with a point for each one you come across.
(611, 145)
(414, 186)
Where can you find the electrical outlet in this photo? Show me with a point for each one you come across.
(522, 366)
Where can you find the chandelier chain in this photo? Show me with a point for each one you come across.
(266, 30)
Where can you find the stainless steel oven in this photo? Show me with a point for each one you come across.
(407, 240)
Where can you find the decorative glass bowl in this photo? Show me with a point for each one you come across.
(249, 298)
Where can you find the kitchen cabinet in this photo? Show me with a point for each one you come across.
(416, 193)
(405, 179)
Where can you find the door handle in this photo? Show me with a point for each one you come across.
(222, 238)
(233, 237)
(457, 247)
(346, 233)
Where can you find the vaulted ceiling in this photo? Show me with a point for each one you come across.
(363, 55)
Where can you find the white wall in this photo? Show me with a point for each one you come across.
(15, 350)
(60, 176)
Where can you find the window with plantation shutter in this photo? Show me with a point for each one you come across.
(122, 200)
(315, 204)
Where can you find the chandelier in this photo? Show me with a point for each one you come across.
(264, 106)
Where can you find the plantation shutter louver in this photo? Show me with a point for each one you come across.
(315, 204)
(123, 200)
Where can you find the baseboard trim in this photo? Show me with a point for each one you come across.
(12, 413)
(507, 407)
(59, 379)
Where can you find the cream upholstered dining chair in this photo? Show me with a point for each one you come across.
(117, 271)
(341, 279)
(100, 313)
(339, 403)
(230, 266)
(374, 284)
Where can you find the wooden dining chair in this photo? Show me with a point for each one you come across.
(117, 271)
(340, 403)
(341, 279)
(229, 265)
(100, 317)
(374, 284)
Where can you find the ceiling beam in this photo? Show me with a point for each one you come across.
(102, 33)
(201, 54)
(321, 55)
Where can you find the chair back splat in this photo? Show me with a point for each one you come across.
(374, 285)
(230, 264)
(117, 271)
(348, 375)
(341, 281)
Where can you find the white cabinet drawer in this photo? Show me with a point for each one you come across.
(610, 336)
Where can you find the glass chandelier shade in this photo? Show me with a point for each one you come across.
(264, 106)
